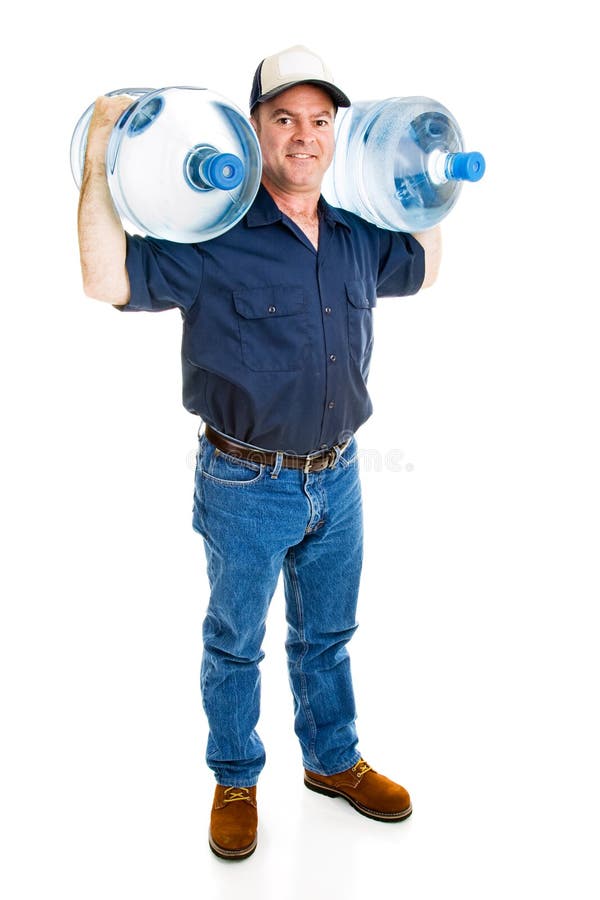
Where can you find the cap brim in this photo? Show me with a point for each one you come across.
(338, 97)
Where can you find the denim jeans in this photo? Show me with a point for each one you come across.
(255, 521)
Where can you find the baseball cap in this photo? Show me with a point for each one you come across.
(296, 65)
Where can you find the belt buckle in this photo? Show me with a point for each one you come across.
(330, 455)
(307, 465)
(311, 459)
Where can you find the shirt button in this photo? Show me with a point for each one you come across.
(328, 310)
(272, 309)
(331, 404)
(332, 357)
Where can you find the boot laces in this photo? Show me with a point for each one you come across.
(234, 793)
(361, 768)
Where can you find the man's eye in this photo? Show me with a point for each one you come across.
(284, 120)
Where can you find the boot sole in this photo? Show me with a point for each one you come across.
(363, 810)
(223, 853)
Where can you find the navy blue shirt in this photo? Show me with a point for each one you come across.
(277, 337)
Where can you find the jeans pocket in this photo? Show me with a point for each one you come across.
(230, 470)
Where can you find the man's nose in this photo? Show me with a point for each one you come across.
(303, 132)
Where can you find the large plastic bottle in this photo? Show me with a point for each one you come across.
(183, 163)
(399, 163)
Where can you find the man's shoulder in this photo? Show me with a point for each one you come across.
(353, 222)
(161, 245)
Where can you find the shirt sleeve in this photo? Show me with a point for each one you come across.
(162, 274)
(401, 264)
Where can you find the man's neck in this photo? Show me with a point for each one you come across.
(295, 205)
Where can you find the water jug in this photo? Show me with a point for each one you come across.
(399, 163)
(182, 163)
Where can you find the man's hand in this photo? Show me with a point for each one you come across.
(107, 111)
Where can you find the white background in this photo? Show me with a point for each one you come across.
(476, 660)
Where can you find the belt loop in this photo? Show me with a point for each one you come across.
(338, 453)
(278, 462)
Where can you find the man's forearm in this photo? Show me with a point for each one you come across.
(102, 243)
(431, 241)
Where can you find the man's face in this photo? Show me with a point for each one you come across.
(295, 132)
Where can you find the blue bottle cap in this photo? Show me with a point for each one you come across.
(465, 166)
(224, 171)
(205, 169)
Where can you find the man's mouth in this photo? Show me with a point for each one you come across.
(302, 155)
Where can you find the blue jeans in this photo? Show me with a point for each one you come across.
(255, 520)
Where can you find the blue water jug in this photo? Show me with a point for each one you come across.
(182, 163)
(399, 163)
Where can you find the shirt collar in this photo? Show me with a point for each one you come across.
(332, 214)
(264, 211)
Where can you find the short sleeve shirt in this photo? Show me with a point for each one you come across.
(277, 336)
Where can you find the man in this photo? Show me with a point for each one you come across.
(277, 338)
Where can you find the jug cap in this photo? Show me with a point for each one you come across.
(296, 65)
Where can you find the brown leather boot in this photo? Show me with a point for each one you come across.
(371, 794)
(233, 822)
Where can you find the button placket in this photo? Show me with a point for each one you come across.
(334, 336)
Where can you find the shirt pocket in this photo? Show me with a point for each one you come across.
(361, 300)
(272, 326)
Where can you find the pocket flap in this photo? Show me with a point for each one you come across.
(269, 302)
(359, 294)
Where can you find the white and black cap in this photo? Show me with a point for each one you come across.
(296, 65)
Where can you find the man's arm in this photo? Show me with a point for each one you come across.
(431, 242)
(102, 246)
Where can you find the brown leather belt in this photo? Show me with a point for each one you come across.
(315, 462)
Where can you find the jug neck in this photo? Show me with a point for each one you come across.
(444, 167)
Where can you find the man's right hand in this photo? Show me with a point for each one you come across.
(107, 111)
